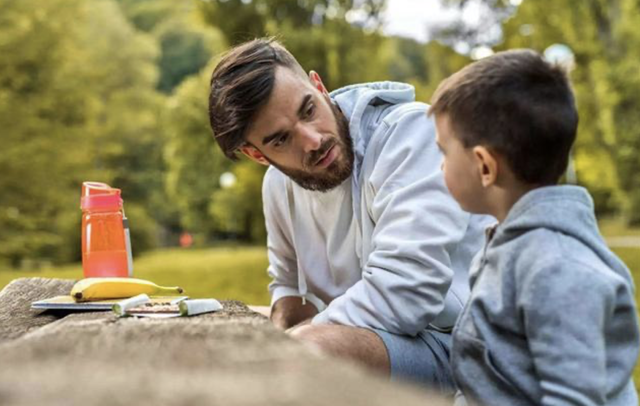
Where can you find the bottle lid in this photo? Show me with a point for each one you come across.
(97, 195)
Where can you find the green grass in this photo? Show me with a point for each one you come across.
(221, 273)
(615, 227)
(631, 257)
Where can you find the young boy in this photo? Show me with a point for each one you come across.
(551, 319)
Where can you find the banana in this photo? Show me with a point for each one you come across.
(115, 288)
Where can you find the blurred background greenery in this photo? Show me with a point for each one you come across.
(116, 91)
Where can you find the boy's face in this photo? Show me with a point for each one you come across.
(460, 167)
(302, 133)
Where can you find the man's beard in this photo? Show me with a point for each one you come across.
(333, 175)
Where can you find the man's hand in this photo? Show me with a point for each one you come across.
(289, 311)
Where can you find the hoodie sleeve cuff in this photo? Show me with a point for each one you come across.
(285, 291)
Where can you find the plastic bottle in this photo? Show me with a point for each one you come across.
(106, 250)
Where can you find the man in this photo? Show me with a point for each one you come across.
(368, 251)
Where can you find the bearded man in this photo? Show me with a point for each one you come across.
(367, 249)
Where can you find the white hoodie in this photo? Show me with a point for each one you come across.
(389, 248)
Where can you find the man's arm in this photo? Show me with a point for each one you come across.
(417, 224)
(290, 311)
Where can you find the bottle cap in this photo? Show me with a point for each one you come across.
(97, 195)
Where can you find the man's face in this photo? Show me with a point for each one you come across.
(302, 133)
(459, 167)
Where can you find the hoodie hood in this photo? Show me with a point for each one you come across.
(565, 209)
(357, 100)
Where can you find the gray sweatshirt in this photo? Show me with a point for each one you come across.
(551, 319)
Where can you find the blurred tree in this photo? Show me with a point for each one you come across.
(75, 69)
(194, 161)
(442, 61)
(186, 44)
(604, 38)
(477, 22)
(146, 15)
(237, 208)
(185, 49)
(407, 60)
(242, 20)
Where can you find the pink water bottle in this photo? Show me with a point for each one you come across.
(106, 247)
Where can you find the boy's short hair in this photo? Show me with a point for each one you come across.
(241, 84)
(517, 104)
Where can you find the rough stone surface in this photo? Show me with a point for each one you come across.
(16, 316)
(234, 357)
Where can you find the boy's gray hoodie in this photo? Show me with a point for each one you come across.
(551, 319)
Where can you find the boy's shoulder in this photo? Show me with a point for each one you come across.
(548, 256)
(554, 230)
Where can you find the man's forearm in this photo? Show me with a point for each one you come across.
(290, 311)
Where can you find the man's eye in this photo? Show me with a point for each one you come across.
(280, 140)
(310, 110)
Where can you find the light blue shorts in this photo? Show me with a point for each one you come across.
(423, 359)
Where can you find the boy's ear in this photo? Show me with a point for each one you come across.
(487, 165)
(317, 82)
(254, 154)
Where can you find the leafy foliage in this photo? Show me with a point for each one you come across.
(76, 72)
(604, 37)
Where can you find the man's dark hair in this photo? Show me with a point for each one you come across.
(517, 104)
(241, 84)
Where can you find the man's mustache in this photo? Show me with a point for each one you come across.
(314, 156)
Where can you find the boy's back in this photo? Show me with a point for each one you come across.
(551, 318)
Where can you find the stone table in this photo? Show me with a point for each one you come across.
(233, 357)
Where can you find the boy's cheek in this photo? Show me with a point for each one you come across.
(449, 183)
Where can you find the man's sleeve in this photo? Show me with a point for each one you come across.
(417, 226)
(283, 267)
(566, 309)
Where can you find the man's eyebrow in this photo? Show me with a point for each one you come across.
(272, 137)
(303, 105)
(301, 109)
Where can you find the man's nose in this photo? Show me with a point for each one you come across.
(309, 139)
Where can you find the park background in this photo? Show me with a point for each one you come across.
(116, 91)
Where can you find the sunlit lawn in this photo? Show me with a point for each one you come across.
(240, 273)
(222, 273)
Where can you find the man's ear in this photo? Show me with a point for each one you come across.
(487, 164)
(317, 82)
(254, 154)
